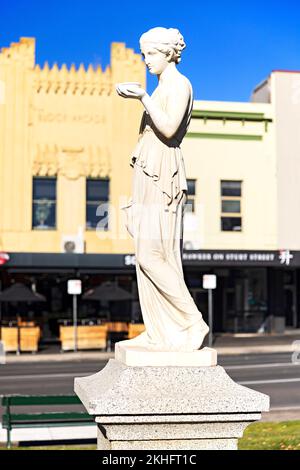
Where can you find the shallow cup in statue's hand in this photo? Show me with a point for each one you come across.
(130, 90)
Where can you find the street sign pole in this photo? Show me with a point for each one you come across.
(210, 318)
(75, 288)
(75, 320)
(210, 283)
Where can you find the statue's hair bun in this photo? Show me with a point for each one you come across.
(165, 39)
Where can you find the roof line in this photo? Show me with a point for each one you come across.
(286, 71)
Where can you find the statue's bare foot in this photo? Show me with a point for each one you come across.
(197, 334)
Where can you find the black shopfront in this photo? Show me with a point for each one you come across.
(253, 287)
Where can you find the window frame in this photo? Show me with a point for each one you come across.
(191, 198)
(36, 201)
(96, 204)
(231, 215)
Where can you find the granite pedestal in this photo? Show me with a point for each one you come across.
(168, 407)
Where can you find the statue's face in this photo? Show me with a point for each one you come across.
(155, 60)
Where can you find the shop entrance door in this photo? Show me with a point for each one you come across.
(200, 297)
(244, 300)
(290, 306)
(233, 301)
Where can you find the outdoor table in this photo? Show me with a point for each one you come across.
(88, 337)
(9, 336)
(29, 338)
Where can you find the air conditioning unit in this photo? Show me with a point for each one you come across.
(193, 237)
(73, 243)
(190, 245)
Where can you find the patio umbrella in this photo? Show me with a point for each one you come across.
(108, 291)
(18, 292)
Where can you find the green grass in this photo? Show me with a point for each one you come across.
(271, 436)
(257, 436)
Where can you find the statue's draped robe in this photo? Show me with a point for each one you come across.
(154, 218)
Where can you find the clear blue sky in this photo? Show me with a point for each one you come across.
(231, 45)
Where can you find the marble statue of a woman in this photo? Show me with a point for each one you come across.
(155, 212)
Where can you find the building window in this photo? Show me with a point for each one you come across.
(44, 203)
(231, 213)
(190, 203)
(97, 198)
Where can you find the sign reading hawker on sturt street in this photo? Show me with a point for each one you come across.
(282, 257)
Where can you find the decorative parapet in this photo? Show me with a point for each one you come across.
(71, 81)
(121, 53)
(125, 62)
(23, 51)
(90, 82)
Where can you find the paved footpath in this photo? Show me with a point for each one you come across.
(226, 344)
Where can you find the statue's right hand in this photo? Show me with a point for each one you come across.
(130, 90)
(118, 90)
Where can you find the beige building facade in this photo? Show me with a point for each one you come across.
(65, 145)
(231, 141)
(281, 90)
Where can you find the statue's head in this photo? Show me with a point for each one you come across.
(160, 47)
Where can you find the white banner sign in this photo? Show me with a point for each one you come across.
(209, 281)
(74, 286)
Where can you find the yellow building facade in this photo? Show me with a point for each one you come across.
(69, 124)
